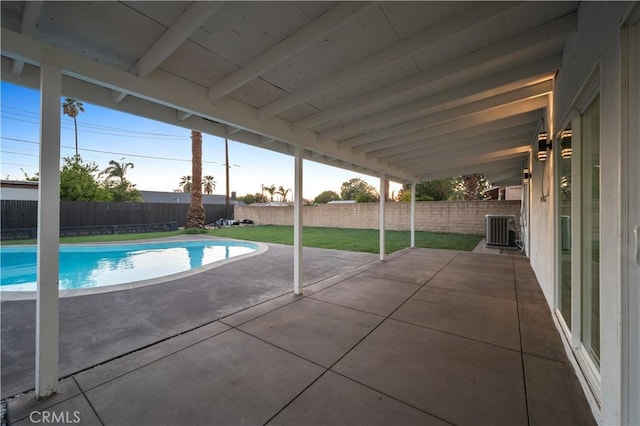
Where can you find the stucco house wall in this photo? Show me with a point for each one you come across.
(596, 46)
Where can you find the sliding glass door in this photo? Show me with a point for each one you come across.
(578, 245)
(590, 262)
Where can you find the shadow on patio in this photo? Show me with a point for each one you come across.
(426, 337)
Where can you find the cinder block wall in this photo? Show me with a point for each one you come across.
(462, 217)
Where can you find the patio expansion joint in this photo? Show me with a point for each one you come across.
(524, 372)
(475, 293)
(303, 296)
(140, 367)
(456, 335)
(88, 401)
(546, 358)
(71, 375)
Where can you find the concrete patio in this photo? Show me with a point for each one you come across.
(425, 337)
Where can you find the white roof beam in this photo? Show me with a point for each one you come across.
(506, 167)
(300, 40)
(459, 124)
(510, 176)
(402, 144)
(468, 146)
(182, 115)
(491, 86)
(478, 154)
(191, 19)
(465, 21)
(468, 136)
(483, 59)
(478, 166)
(28, 27)
(471, 109)
(414, 140)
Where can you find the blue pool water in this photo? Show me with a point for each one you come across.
(96, 266)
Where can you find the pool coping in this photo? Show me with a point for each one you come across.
(31, 295)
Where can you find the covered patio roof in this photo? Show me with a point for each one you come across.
(408, 90)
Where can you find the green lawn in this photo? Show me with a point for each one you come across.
(364, 240)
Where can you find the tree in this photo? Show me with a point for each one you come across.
(72, 108)
(185, 183)
(34, 178)
(271, 190)
(253, 198)
(283, 193)
(326, 196)
(357, 189)
(366, 197)
(432, 190)
(195, 215)
(473, 186)
(117, 184)
(117, 171)
(124, 192)
(209, 184)
(78, 181)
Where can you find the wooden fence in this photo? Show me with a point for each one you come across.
(24, 214)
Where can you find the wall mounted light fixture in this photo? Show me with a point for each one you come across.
(543, 145)
(565, 144)
(526, 176)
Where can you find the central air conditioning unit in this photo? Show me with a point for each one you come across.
(501, 230)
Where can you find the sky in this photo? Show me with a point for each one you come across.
(161, 153)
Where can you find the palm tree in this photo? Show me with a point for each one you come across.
(195, 215)
(271, 190)
(209, 184)
(117, 170)
(283, 192)
(185, 183)
(72, 108)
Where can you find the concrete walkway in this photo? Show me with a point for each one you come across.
(427, 337)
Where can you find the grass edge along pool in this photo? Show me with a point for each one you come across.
(92, 266)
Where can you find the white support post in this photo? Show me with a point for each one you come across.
(48, 232)
(383, 179)
(298, 263)
(413, 214)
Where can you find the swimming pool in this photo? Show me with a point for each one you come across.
(83, 267)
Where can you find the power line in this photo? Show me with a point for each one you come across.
(81, 124)
(106, 152)
(18, 153)
(15, 164)
(132, 134)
